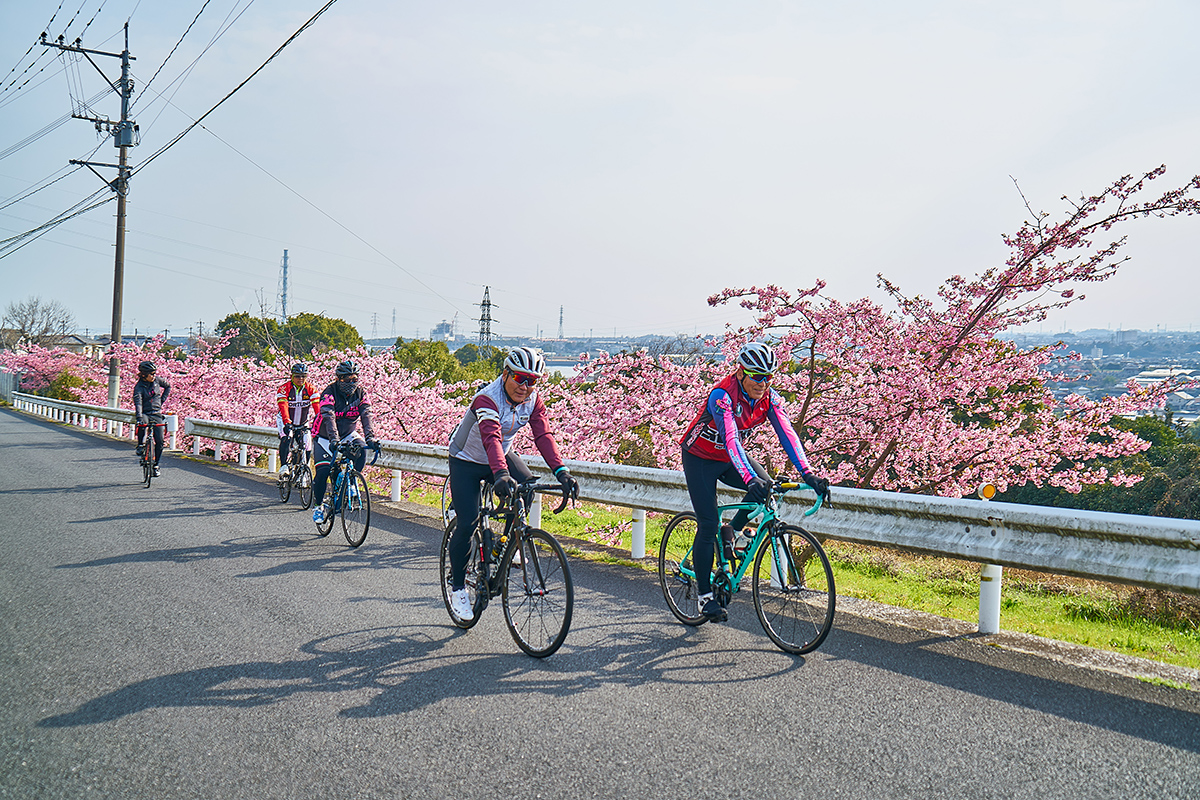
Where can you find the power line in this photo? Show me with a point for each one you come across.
(189, 128)
(176, 47)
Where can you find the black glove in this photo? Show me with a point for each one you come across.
(569, 484)
(819, 485)
(759, 490)
(143, 419)
(374, 444)
(504, 485)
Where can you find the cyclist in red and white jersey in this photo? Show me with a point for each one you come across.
(295, 398)
(713, 451)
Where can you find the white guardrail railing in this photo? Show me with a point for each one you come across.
(1155, 552)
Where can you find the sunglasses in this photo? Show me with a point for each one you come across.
(758, 377)
(525, 378)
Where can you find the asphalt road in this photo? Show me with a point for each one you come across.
(196, 639)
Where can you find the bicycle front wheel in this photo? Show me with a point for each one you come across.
(476, 581)
(147, 471)
(793, 590)
(675, 571)
(356, 509)
(539, 595)
(304, 483)
(283, 481)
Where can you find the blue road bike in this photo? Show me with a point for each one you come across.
(790, 574)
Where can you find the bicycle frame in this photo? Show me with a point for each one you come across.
(516, 521)
(769, 513)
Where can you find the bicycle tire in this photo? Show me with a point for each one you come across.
(324, 528)
(305, 485)
(147, 471)
(539, 595)
(675, 551)
(795, 605)
(476, 576)
(356, 508)
(284, 484)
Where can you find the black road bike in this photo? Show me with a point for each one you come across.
(295, 472)
(348, 498)
(145, 434)
(525, 566)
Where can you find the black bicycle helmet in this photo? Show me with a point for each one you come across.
(146, 367)
(525, 359)
(346, 368)
(299, 369)
(757, 357)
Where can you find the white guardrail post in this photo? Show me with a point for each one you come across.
(990, 578)
(637, 534)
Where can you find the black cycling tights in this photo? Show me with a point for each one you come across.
(702, 475)
(464, 492)
(159, 428)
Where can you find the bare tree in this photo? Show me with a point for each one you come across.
(35, 322)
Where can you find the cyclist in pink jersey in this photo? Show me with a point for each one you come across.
(713, 451)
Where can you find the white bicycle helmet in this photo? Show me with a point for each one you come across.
(757, 357)
(525, 359)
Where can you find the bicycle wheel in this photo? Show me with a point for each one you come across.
(283, 481)
(674, 557)
(356, 508)
(304, 484)
(538, 594)
(325, 527)
(147, 470)
(794, 599)
(475, 579)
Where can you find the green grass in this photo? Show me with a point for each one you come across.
(1150, 624)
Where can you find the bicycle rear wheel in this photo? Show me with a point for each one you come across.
(304, 483)
(447, 502)
(675, 572)
(539, 595)
(356, 508)
(147, 470)
(476, 581)
(793, 590)
(323, 528)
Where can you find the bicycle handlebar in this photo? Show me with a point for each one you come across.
(782, 487)
(533, 486)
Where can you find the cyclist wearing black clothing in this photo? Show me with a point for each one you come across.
(713, 451)
(343, 403)
(150, 394)
(481, 450)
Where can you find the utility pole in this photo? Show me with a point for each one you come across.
(124, 137)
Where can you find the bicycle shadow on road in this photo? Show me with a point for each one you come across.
(407, 670)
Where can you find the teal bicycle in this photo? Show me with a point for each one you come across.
(790, 574)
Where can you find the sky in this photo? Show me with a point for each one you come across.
(622, 161)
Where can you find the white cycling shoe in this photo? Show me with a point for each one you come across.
(460, 604)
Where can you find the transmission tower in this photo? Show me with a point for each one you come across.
(485, 320)
(393, 323)
(374, 326)
(560, 336)
(283, 281)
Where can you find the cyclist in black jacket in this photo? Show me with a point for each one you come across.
(343, 403)
(150, 394)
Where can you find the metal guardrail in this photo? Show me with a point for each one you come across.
(84, 415)
(1156, 552)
